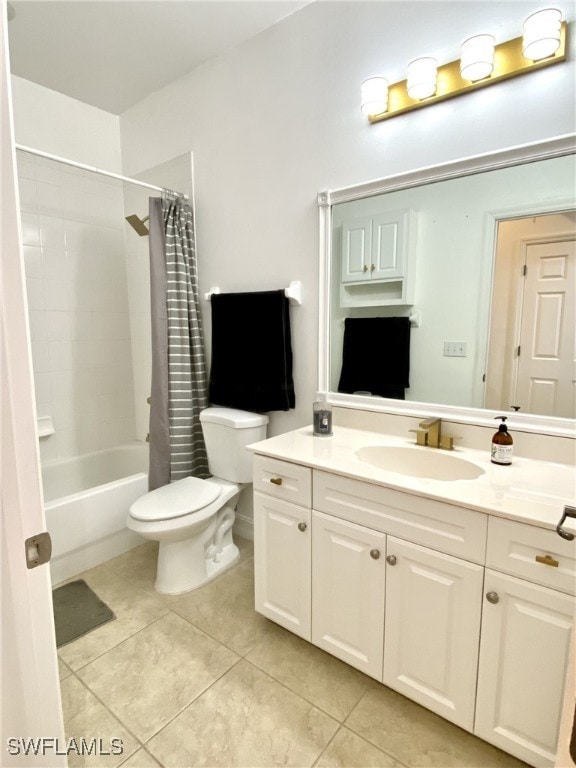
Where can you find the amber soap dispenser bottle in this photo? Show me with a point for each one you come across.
(502, 444)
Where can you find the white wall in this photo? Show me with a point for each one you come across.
(277, 119)
(60, 125)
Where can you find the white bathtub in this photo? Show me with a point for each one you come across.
(86, 502)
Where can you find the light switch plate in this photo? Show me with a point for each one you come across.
(454, 349)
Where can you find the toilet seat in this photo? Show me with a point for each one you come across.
(184, 497)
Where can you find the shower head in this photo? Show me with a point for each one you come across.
(138, 224)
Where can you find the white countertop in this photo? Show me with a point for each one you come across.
(529, 491)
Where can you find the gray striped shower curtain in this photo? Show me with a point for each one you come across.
(179, 382)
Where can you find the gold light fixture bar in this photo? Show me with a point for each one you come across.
(508, 62)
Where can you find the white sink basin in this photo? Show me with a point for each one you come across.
(419, 462)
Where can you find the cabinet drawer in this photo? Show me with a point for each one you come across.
(454, 530)
(513, 548)
(283, 480)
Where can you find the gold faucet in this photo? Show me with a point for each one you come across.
(431, 429)
(430, 434)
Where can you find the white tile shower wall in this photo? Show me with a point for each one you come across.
(74, 253)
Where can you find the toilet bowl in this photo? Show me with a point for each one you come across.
(191, 518)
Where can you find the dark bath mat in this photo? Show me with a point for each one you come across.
(77, 610)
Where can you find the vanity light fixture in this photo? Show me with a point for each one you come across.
(374, 95)
(482, 63)
(421, 78)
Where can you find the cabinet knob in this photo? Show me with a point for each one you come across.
(365, 268)
(276, 480)
(302, 527)
(492, 597)
(391, 560)
(375, 554)
(372, 267)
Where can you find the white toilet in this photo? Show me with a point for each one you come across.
(192, 518)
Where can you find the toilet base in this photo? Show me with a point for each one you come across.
(172, 580)
(187, 564)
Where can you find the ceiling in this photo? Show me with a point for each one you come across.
(112, 54)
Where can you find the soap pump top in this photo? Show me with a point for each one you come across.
(502, 444)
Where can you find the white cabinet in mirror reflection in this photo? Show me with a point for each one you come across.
(377, 258)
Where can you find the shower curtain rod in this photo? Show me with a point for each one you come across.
(93, 169)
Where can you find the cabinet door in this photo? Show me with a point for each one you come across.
(282, 563)
(389, 233)
(433, 605)
(524, 647)
(348, 571)
(356, 250)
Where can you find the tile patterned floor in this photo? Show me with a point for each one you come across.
(202, 680)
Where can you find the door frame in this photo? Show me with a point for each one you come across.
(515, 331)
(483, 367)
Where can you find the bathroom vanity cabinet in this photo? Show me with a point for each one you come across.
(446, 605)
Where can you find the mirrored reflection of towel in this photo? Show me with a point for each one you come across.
(376, 356)
(251, 365)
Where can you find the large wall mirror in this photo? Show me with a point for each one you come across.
(451, 290)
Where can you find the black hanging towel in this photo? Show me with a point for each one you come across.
(376, 356)
(251, 351)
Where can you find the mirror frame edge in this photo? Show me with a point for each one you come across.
(558, 146)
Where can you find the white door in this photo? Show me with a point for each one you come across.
(525, 642)
(433, 606)
(348, 579)
(30, 694)
(283, 562)
(546, 373)
(356, 250)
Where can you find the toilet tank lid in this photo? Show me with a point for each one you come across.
(232, 417)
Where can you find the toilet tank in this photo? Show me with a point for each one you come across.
(227, 432)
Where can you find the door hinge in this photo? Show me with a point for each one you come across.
(38, 549)
(518, 351)
(525, 270)
(483, 377)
